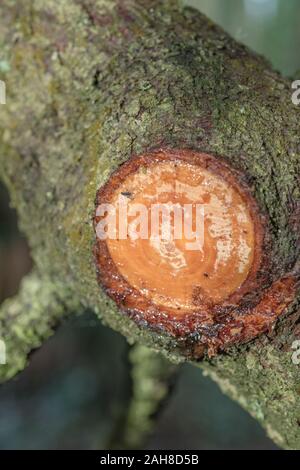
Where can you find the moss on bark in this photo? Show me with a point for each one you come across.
(28, 319)
(91, 83)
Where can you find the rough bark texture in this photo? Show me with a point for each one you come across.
(27, 320)
(90, 83)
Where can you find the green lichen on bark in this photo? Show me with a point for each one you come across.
(265, 381)
(91, 83)
(28, 319)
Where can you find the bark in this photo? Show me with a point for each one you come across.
(91, 83)
(152, 377)
(28, 319)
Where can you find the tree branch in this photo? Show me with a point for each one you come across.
(92, 84)
(152, 380)
(29, 318)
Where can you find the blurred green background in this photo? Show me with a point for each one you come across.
(269, 27)
(76, 388)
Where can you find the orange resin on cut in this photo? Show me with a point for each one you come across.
(179, 272)
(209, 286)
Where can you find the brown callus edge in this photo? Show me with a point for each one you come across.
(251, 310)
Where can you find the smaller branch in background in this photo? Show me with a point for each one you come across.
(153, 378)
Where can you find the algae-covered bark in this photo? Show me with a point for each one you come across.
(27, 320)
(91, 83)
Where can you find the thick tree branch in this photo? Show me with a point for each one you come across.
(91, 84)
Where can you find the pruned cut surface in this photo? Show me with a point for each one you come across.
(184, 272)
(179, 247)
